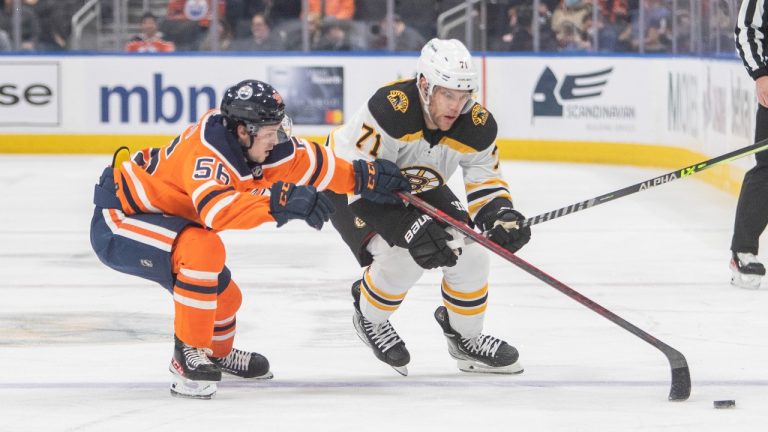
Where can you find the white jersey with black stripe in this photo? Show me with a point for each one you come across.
(750, 36)
(391, 127)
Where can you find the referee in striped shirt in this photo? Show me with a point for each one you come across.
(752, 209)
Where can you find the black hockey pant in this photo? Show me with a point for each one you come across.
(752, 209)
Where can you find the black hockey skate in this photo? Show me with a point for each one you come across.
(746, 270)
(483, 353)
(244, 364)
(382, 338)
(194, 375)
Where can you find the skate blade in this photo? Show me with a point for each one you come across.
(185, 388)
(745, 281)
(235, 377)
(266, 376)
(475, 367)
(402, 370)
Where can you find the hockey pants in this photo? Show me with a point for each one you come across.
(752, 209)
(393, 272)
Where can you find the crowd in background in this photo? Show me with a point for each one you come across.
(350, 25)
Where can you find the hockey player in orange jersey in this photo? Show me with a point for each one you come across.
(157, 216)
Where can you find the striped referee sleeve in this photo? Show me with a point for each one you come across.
(750, 36)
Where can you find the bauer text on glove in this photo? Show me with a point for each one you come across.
(426, 241)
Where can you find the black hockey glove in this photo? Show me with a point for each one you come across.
(288, 201)
(504, 228)
(375, 181)
(426, 241)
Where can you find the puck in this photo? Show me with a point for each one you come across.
(722, 404)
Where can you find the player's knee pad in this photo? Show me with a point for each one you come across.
(199, 249)
(393, 267)
(229, 301)
(471, 269)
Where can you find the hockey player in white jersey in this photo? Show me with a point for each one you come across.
(429, 126)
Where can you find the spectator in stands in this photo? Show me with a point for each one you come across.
(334, 37)
(609, 9)
(224, 40)
(187, 21)
(150, 39)
(30, 25)
(406, 38)
(656, 40)
(282, 11)
(721, 37)
(683, 32)
(240, 12)
(571, 40)
(588, 32)
(604, 34)
(338, 9)
(293, 39)
(547, 36)
(567, 21)
(5, 41)
(370, 11)
(55, 18)
(519, 36)
(420, 15)
(656, 27)
(261, 39)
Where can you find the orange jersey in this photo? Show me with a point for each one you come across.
(150, 46)
(203, 176)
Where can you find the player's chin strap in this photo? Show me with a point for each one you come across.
(425, 99)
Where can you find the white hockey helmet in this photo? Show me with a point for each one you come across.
(447, 63)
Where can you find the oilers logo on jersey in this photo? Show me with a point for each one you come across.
(422, 178)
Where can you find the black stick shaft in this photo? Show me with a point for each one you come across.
(647, 184)
(681, 378)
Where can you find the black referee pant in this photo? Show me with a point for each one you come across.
(752, 209)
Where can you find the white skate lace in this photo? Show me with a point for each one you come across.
(483, 345)
(383, 335)
(237, 360)
(196, 356)
(747, 258)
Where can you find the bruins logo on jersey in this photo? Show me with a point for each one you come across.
(422, 178)
(479, 115)
(399, 100)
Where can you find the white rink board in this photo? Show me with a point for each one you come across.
(706, 106)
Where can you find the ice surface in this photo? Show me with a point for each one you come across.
(83, 348)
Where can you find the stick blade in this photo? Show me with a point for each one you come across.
(681, 384)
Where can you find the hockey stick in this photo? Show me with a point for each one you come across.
(648, 184)
(681, 376)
